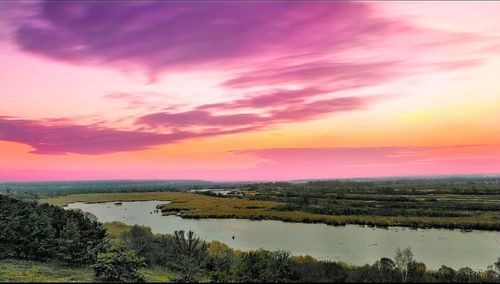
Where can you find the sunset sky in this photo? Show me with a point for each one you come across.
(248, 90)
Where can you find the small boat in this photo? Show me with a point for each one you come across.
(118, 203)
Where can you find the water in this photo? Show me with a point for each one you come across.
(352, 243)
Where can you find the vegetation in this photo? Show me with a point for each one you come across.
(40, 241)
(40, 231)
(74, 187)
(118, 265)
(15, 270)
(32, 232)
(276, 202)
(135, 254)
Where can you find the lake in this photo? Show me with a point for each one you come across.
(352, 243)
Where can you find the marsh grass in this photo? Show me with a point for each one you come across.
(188, 205)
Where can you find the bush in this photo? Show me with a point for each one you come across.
(118, 265)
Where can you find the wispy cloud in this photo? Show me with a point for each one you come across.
(65, 136)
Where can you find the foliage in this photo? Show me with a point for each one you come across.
(118, 265)
(403, 260)
(40, 231)
(190, 255)
(221, 262)
(140, 240)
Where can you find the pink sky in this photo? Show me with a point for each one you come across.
(248, 90)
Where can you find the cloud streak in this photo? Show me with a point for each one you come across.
(65, 136)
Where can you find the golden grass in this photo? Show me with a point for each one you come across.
(189, 205)
(107, 197)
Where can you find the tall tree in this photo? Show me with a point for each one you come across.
(403, 259)
(190, 253)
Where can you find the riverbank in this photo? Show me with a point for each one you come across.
(188, 205)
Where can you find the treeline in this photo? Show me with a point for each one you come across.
(402, 186)
(35, 189)
(194, 260)
(40, 231)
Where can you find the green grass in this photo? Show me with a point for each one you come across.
(32, 271)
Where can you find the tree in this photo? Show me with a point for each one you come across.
(466, 274)
(221, 260)
(41, 236)
(41, 231)
(253, 267)
(140, 240)
(446, 274)
(190, 254)
(403, 259)
(70, 246)
(280, 266)
(385, 270)
(417, 272)
(118, 265)
(163, 250)
(265, 266)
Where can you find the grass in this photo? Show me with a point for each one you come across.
(107, 197)
(189, 205)
(32, 271)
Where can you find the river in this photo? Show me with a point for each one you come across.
(352, 243)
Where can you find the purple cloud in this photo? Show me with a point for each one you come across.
(62, 136)
(57, 138)
(345, 74)
(158, 35)
(291, 108)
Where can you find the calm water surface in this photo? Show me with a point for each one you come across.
(352, 243)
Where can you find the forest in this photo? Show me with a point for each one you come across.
(117, 252)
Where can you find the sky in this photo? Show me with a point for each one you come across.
(249, 90)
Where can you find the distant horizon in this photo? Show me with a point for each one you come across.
(374, 178)
(252, 90)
